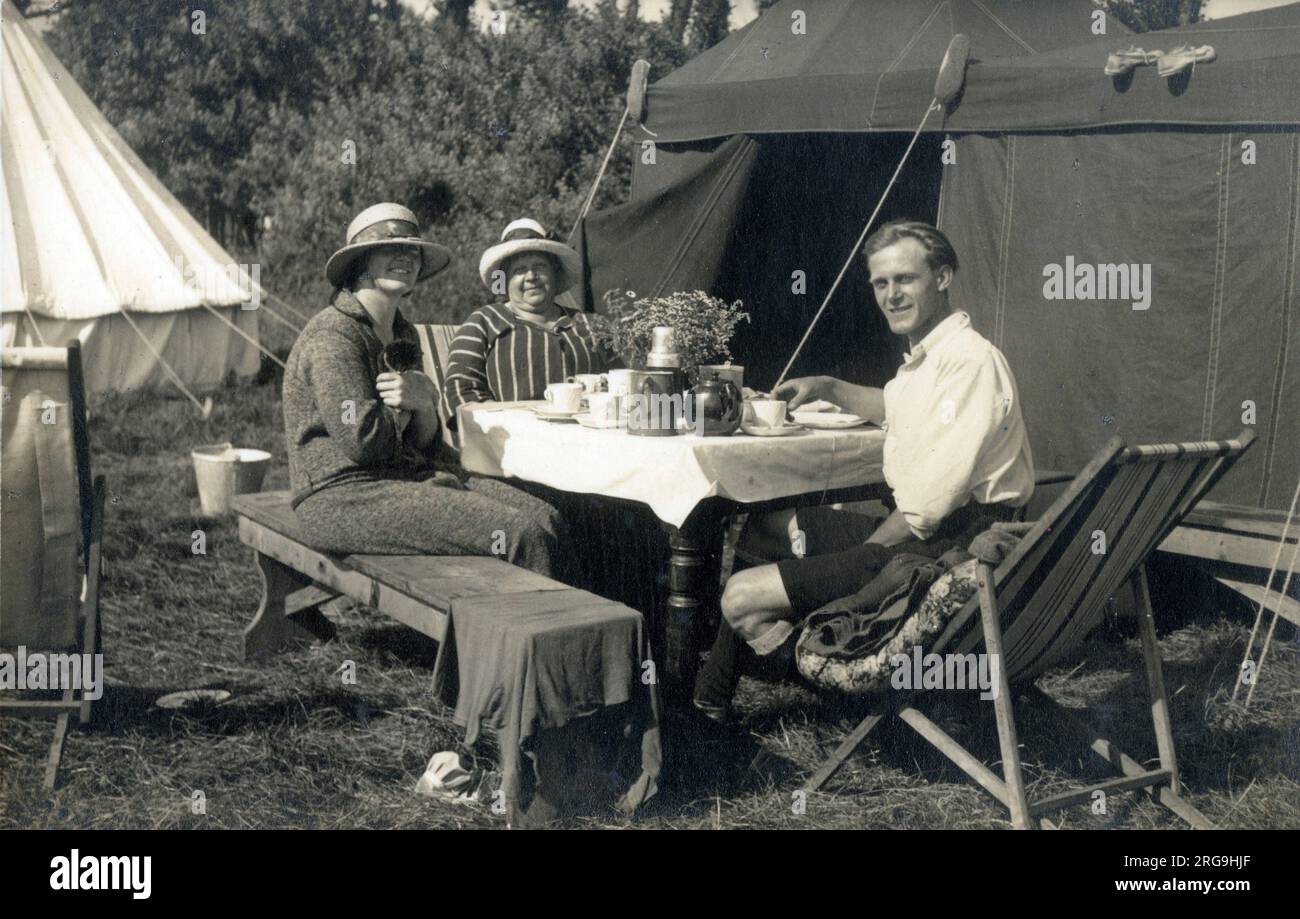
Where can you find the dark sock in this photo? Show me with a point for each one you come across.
(717, 679)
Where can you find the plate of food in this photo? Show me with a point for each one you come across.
(828, 421)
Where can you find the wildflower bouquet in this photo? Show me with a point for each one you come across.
(703, 326)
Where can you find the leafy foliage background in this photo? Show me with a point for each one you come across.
(248, 123)
(247, 120)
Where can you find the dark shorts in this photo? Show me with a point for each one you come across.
(839, 561)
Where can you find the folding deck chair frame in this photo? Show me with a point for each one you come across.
(1048, 594)
(91, 510)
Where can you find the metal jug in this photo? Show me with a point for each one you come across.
(714, 407)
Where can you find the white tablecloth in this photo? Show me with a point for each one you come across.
(669, 474)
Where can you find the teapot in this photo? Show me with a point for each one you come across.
(714, 407)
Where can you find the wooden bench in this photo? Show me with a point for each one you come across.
(416, 590)
(419, 590)
(1240, 546)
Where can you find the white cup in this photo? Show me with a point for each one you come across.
(564, 397)
(620, 382)
(620, 385)
(603, 406)
(768, 413)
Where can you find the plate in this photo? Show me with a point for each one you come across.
(828, 420)
(772, 432)
(550, 414)
(192, 698)
(587, 421)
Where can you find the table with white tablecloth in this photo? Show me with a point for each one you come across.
(691, 483)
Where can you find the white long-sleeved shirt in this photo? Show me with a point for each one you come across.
(953, 428)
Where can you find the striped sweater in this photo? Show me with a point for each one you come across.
(498, 357)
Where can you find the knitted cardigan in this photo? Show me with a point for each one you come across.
(338, 429)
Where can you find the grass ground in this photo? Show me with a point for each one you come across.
(296, 747)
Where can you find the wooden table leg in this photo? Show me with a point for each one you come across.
(692, 597)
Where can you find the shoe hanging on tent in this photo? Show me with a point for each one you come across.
(1182, 58)
(1122, 62)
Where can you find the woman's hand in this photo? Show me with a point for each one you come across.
(411, 391)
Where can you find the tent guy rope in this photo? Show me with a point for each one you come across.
(947, 84)
(248, 338)
(1259, 613)
(204, 407)
(297, 312)
(36, 326)
(634, 109)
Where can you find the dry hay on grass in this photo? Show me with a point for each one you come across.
(296, 747)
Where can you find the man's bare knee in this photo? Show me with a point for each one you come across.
(753, 599)
(735, 598)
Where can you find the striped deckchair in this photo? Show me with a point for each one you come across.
(435, 344)
(1049, 593)
(50, 526)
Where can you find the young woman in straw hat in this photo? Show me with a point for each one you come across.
(514, 350)
(362, 437)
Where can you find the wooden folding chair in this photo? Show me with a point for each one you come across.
(51, 525)
(1049, 593)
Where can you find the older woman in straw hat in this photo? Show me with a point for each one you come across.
(512, 351)
(363, 429)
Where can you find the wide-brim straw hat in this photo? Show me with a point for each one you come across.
(530, 236)
(385, 224)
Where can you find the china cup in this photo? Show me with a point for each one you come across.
(620, 385)
(564, 397)
(603, 406)
(767, 413)
(620, 382)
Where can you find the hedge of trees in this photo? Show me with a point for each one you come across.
(279, 121)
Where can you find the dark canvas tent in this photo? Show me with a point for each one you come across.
(770, 150)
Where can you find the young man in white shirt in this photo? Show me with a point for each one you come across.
(956, 458)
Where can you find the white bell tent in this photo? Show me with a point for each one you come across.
(93, 247)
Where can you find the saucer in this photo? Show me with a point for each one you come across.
(606, 424)
(551, 414)
(772, 432)
(828, 421)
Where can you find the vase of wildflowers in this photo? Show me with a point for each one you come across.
(703, 327)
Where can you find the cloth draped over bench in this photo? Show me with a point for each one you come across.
(538, 663)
